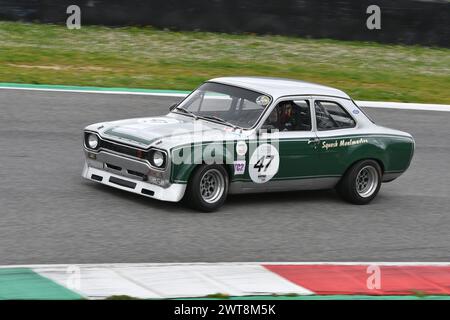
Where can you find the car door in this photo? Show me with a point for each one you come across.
(335, 130)
(297, 141)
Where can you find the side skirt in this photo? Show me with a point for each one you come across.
(284, 185)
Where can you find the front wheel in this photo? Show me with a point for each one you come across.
(361, 182)
(207, 188)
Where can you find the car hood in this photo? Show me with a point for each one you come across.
(167, 130)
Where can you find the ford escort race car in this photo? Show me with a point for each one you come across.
(248, 135)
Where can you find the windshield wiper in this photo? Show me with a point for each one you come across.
(221, 120)
(187, 112)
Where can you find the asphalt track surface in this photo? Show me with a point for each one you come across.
(49, 214)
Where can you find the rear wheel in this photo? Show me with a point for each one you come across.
(207, 188)
(361, 182)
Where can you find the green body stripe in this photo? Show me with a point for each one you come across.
(301, 160)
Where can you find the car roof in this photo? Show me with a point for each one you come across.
(278, 87)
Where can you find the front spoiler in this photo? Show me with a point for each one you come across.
(173, 193)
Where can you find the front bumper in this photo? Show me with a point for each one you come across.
(95, 171)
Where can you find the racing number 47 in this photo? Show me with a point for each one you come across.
(260, 163)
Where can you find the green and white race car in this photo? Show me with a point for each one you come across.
(248, 135)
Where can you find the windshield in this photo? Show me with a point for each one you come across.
(226, 104)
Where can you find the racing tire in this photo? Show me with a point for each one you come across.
(207, 188)
(361, 183)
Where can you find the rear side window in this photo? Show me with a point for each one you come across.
(364, 113)
(331, 116)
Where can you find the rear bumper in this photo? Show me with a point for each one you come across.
(172, 193)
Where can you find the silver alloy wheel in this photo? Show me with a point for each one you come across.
(367, 181)
(212, 185)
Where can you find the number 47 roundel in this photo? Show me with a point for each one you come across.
(264, 163)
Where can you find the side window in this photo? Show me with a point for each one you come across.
(290, 116)
(331, 116)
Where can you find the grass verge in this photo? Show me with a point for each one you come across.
(149, 58)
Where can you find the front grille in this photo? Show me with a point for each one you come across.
(134, 152)
(111, 166)
(125, 150)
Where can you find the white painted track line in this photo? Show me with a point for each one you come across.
(404, 106)
(141, 93)
(367, 104)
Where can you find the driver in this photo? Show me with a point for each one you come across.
(287, 116)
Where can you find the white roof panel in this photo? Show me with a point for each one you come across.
(278, 87)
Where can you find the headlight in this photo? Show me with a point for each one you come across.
(157, 158)
(92, 141)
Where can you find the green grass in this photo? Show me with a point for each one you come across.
(148, 58)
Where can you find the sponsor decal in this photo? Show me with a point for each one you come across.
(262, 100)
(343, 143)
(264, 163)
(239, 167)
(241, 148)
